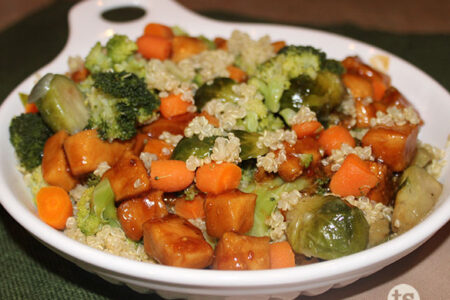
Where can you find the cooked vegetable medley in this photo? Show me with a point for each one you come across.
(231, 154)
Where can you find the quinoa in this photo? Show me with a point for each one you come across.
(209, 64)
(289, 199)
(303, 115)
(373, 211)
(75, 63)
(108, 239)
(395, 116)
(226, 112)
(201, 127)
(193, 162)
(147, 159)
(274, 139)
(277, 230)
(250, 52)
(437, 159)
(226, 149)
(271, 161)
(338, 156)
(169, 138)
(101, 169)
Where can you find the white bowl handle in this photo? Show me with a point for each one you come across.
(87, 24)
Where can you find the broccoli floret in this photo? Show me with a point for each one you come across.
(119, 102)
(119, 47)
(97, 60)
(96, 208)
(117, 55)
(273, 76)
(28, 134)
(34, 181)
(333, 66)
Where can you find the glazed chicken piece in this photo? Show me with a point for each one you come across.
(128, 177)
(173, 241)
(55, 168)
(133, 213)
(229, 211)
(241, 252)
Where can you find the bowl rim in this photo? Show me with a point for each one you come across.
(327, 270)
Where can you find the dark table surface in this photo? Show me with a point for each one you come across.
(30, 270)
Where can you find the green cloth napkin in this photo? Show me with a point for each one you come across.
(30, 270)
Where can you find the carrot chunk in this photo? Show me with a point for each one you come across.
(173, 105)
(353, 178)
(175, 125)
(358, 85)
(310, 128)
(31, 108)
(184, 47)
(291, 168)
(278, 45)
(154, 47)
(54, 206)
(170, 175)
(237, 74)
(159, 30)
(334, 137)
(281, 255)
(218, 178)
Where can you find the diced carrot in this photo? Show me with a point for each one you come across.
(353, 178)
(154, 47)
(175, 125)
(278, 45)
(173, 105)
(221, 43)
(333, 138)
(211, 119)
(358, 85)
(190, 209)
(31, 108)
(281, 255)
(307, 128)
(307, 145)
(54, 206)
(237, 74)
(185, 46)
(170, 175)
(159, 30)
(139, 141)
(218, 178)
(55, 168)
(158, 147)
(80, 74)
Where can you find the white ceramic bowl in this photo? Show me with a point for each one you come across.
(87, 27)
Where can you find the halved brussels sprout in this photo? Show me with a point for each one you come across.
(193, 146)
(326, 227)
(220, 88)
(248, 142)
(321, 95)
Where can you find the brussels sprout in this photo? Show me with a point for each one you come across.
(326, 227)
(321, 95)
(417, 194)
(422, 158)
(220, 88)
(248, 142)
(193, 146)
(60, 103)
